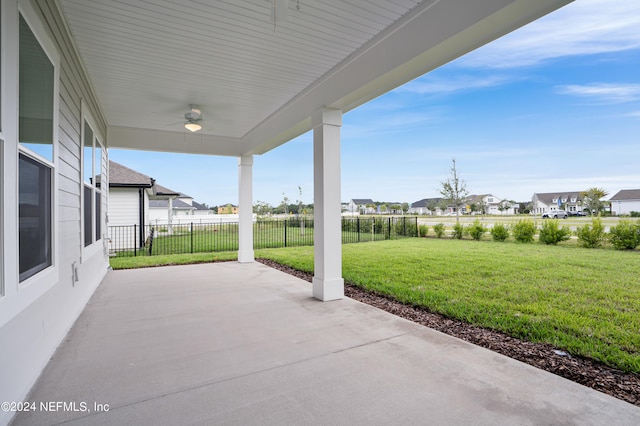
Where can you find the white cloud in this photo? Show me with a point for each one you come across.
(604, 91)
(429, 85)
(634, 114)
(581, 28)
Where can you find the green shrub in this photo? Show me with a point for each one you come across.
(634, 214)
(423, 230)
(406, 226)
(524, 230)
(438, 228)
(458, 231)
(591, 235)
(499, 232)
(552, 233)
(476, 230)
(626, 235)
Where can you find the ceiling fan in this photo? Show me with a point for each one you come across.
(193, 117)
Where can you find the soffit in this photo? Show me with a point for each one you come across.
(258, 83)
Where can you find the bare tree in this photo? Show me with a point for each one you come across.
(454, 190)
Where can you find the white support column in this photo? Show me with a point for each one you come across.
(328, 283)
(245, 209)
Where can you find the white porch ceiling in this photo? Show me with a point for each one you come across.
(257, 84)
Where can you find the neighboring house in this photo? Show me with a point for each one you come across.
(228, 209)
(551, 201)
(201, 210)
(159, 209)
(129, 193)
(430, 206)
(490, 204)
(362, 205)
(625, 202)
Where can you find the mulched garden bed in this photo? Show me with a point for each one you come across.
(624, 386)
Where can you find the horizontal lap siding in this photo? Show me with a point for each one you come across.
(74, 92)
(124, 207)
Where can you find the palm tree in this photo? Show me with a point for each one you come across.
(591, 199)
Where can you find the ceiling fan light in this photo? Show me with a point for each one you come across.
(193, 127)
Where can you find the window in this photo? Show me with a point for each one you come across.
(35, 216)
(35, 95)
(92, 194)
(36, 155)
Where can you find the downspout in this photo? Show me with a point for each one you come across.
(141, 218)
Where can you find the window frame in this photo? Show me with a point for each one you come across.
(49, 276)
(93, 247)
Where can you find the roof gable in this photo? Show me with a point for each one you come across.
(120, 176)
(626, 195)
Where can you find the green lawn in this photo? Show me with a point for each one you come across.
(172, 259)
(585, 301)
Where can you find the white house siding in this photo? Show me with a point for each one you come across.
(623, 207)
(34, 318)
(124, 209)
(124, 213)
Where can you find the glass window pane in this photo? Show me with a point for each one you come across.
(87, 212)
(35, 95)
(87, 152)
(34, 200)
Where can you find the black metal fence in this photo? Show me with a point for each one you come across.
(213, 237)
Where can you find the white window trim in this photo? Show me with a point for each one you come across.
(2, 239)
(96, 246)
(33, 287)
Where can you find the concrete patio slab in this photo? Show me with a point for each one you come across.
(245, 344)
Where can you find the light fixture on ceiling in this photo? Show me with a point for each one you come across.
(193, 118)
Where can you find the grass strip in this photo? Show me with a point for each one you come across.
(173, 259)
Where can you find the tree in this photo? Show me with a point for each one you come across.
(300, 211)
(262, 208)
(285, 202)
(454, 190)
(405, 208)
(505, 205)
(591, 199)
(432, 205)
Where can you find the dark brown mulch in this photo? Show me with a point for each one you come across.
(624, 386)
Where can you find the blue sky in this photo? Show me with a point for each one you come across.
(553, 106)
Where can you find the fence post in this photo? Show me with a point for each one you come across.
(389, 230)
(151, 240)
(191, 233)
(404, 226)
(135, 239)
(285, 232)
(358, 227)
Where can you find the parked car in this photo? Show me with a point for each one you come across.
(580, 213)
(557, 214)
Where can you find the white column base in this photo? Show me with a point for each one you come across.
(326, 290)
(246, 256)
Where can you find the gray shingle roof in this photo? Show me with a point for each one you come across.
(162, 190)
(424, 201)
(360, 201)
(199, 206)
(627, 194)
(177, 204)
(548, 197)
(120, 175)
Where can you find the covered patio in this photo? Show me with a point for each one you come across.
(242, 343)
